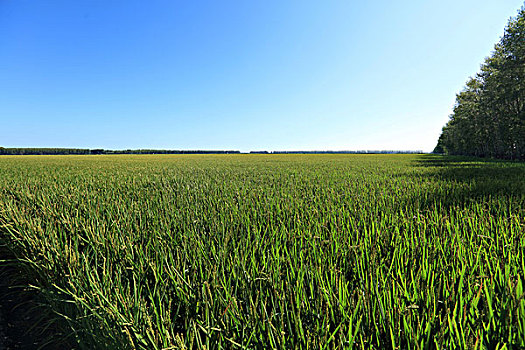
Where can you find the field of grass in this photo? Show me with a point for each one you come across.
(272, 251)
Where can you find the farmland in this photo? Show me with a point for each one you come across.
(271, 251)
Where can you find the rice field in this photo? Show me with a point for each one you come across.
(271, 251)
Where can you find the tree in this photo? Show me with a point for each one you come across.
(488, 119)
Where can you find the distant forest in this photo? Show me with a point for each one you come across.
(340, 152)
(488, 119)
(59, 151)
(80, 151)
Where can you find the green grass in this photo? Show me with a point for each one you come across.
(272, 251)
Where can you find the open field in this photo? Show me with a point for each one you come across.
(262, 251)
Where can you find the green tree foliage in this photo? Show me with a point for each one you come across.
(488, 119)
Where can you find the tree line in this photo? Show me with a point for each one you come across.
(80, 151)
(65, 151)
(340, 152)
(488, 118)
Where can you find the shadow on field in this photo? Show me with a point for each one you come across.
(462, 179)
(468, 169)
(26, 321)
(434, 160)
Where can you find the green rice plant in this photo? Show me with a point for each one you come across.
(272, 251)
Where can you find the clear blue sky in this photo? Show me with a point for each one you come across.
(245, 75)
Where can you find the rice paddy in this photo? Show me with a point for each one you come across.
(271, 251)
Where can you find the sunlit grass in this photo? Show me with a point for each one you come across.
(273, 251)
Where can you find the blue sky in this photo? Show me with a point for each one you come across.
(244, 75)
